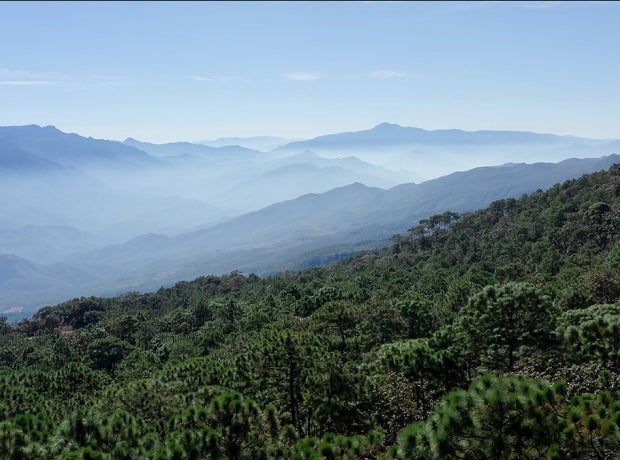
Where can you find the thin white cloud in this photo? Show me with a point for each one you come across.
(26, 82)
(13, 77)
(303, 76)
(386, 73)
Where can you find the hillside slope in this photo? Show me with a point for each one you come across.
(507, 315)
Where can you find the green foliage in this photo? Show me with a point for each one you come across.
(106, 352)
(339, 320)
(504, 323)
(589, 427)
(333, 446)
(120, 436)
(289, 370)
(494, 418)
(592, 333)
(425, 368)
(308, 364)
(418, 313)
(230, 427)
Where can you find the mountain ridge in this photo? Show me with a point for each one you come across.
(72, 150)
(139, 230)
(394, 133)
(186, 148)
(343, 216)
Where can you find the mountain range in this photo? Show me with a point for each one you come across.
(83, 216)
(50, 147)
(430, 154)
(345, 215)
(262, 143)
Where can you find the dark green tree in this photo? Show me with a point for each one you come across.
(498, 418)
(289, 370)
(505, 323)
(592, 334)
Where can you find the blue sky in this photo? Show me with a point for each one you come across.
(162, 71)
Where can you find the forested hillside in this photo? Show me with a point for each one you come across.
(493, 334)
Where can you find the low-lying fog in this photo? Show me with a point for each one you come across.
(63, 196)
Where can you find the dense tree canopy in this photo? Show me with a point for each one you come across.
(491, 334)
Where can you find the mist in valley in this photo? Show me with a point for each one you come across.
(83, 216)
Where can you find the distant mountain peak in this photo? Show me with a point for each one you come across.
(385, 126)
(70, 150)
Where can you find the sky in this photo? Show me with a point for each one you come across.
(163, 72)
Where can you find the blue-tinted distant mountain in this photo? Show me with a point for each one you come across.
(24, 283)
(431, 154)
(175, 149)
(307, 167)
(115, 191)
(48, 144)
(249, 180)
(365, 170)
(393, 134)
(63, 193)
(356, 206)
(104, 194)
(17, 160)
(262, 143)
(279, 235)
(46, 243)
(14, 268)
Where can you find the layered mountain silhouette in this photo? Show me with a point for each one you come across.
(313, 228)
(83, 216)
(48, 145)
(262, 143)
(431, 154)
(116, 191)
(15, 159)
(351, 214)
(393, 134)
(187, 148)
